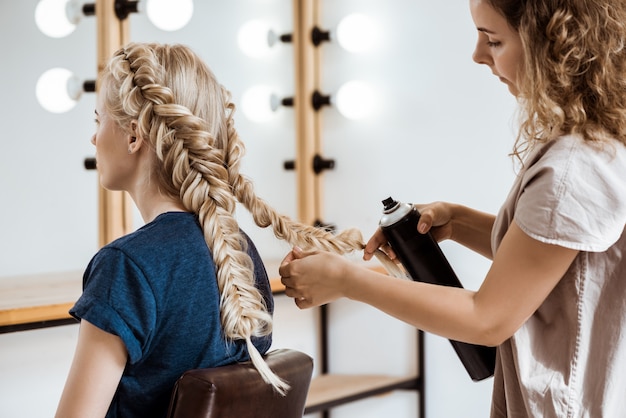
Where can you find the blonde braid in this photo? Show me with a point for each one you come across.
(295, 233)
(204, 191)
(193, 170)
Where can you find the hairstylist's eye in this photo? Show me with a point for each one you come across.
(493, 44)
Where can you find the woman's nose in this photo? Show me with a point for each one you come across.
(93, 139)
(477, 57)
(480, 56)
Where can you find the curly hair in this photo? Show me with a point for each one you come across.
(574, 76)
(187, 118)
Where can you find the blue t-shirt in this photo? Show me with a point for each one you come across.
(156, 289)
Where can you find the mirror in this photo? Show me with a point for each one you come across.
(50, 220)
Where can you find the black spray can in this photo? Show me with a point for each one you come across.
(424, 261)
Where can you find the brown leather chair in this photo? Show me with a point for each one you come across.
(238, 391)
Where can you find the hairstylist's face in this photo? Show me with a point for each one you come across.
(499, 46)
(113, 151)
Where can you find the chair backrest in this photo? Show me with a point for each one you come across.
(238, 391)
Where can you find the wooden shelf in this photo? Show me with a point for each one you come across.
(330, 390)
(40, 300)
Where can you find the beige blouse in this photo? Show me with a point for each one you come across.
(569, 358)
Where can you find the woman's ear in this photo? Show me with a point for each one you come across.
(135, 140)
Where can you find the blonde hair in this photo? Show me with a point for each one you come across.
(187, 117)
(573, 80)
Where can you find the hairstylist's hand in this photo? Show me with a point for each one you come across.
(378, 241)
(435, 217)
(313, 278)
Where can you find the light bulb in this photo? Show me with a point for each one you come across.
(51, 17)
(358, 33)
(53, 90)
(259, 103)
(356, 100)
(255, 38)
(169, 15)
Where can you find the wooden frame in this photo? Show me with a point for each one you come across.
(307, 121)
(115, 209)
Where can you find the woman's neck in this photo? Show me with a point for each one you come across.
(146, 193)
(151, 213)
(153, 203)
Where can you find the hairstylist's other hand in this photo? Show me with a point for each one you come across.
(313, 278)
(435, 217)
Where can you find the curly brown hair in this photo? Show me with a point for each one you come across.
(574, 76)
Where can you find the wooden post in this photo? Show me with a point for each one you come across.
(115, 215)
(307, 188)
(316, 65)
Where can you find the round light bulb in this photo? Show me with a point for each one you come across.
(358, 33)
(52, 90)
(355, 100)
(169, 15)
(257, 103)
(51, 18)
(255, 38)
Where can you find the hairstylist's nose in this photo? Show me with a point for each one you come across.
(480, 56)
(476, 57)
(93, 139)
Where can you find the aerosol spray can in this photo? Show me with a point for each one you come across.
(424, 261)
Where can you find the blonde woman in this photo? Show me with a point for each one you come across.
(188, 289)
(554, 299)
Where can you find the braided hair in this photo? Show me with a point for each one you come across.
(187, 118)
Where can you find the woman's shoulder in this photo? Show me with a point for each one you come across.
(574, 149)
(166, 225)
(170, 235)
(573, 192)
(571, 161)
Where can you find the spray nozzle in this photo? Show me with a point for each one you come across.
(389, 204)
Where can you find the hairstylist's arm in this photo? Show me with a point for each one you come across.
(523, 273)
(96, 371)
(469, 227)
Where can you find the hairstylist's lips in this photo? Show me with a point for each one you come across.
(502, 79)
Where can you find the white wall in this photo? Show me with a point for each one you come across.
(442, 132)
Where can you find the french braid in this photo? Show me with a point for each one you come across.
(295, 233)
(198, 156)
